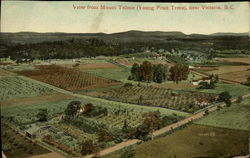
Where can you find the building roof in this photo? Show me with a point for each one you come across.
(33, 129)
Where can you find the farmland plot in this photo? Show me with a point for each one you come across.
(16, 145)
(68, 79)
(83, 127)
(153, 96)
(4, 73)
(16, 87)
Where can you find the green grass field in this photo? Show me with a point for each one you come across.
(233, 89)
(119, 73)
(236, 116)
(193, 141)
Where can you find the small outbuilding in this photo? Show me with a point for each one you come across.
(205, 79)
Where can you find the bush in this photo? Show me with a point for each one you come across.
(128, 85)
(228, 103)
(89, 147)
(128, 153)
(6, 147)
(224, 96)
(206, 112)
(239, 99)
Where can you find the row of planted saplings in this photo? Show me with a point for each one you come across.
(16, 141)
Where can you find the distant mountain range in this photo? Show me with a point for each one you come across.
(128, 36)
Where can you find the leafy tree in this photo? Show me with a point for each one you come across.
(224, 96)
(166, 120)
(125, 127)
(153, 121)
(206, 85)
(72, 108)
(42, 115)
(89, 147)
(135, 72)
(88, 108)
(214, 78)
(142, 132)
(203, 85)
(128, 153)
(146, 71)
(159, 73)
(104, 135)
(178, 73)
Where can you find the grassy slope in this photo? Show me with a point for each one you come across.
(236, 116)
(194, 141)
(233, 89)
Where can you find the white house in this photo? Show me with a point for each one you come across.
(196, 82)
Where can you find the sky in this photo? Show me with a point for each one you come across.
(42, 16)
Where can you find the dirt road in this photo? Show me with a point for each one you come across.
(115, 148)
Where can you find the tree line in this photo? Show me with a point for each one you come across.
(158, 72)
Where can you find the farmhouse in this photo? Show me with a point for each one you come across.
(205, 79)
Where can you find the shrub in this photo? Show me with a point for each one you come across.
(206, 112)
(239, 99)
(128, 153)
(228, 103)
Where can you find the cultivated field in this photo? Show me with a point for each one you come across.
(16, 87)
(124, 61)
(38, 99)
(92, 66)
(236, 116)
(228, 69)
(239, 76)
(68, 79)
(16, 145)
(245, 60)
(82, 128)
(181, 85)
(234, 69)
(234, 89)
(194, 141)
(153, 96)
(118, 73)
(4, 73)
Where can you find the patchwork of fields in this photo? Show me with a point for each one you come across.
(153, 96)
(117, 104)
(234, 69)
(66, 78)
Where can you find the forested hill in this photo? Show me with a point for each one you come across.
(72, 45)
(129, 36)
